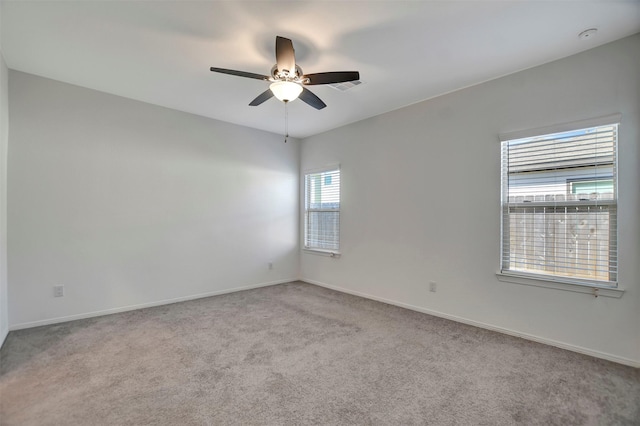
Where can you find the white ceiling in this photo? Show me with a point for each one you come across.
(160, 51)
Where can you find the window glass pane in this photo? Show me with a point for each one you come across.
(323, 190)
(323, 229)
(566, 241)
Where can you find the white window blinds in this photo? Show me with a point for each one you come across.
(322, 210)
(559, 198)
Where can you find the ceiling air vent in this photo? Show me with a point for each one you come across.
(343, 87)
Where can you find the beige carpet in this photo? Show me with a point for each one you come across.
(300, 354)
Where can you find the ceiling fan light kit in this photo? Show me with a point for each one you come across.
(288, 80)
(286, 91)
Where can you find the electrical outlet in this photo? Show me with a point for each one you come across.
(433, 286)
(270, 265)
(58, 290)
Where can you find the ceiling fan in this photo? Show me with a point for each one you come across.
(288, 80)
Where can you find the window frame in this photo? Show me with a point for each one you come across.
(305, 211)
(595, 287)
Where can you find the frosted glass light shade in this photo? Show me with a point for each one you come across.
(286, 91)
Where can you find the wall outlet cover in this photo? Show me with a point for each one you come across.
(58, 290)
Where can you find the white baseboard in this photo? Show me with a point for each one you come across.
(58, 320)
(550, 342)
(3, 336)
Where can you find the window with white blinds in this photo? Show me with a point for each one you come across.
(559, 206)
(322, 210)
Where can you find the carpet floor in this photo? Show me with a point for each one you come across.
(300, 354)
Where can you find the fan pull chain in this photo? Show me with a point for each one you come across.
(286, 121)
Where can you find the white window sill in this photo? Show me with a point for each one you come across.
(322, 252)
(594, 290)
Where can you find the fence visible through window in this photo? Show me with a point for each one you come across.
(567, 241)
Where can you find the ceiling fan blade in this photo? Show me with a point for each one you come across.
(331, 77)
(264, 96)
(308, 97)
(285, 55)
(240, 73)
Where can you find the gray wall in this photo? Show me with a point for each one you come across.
(128, 204)
(421, 202)
(4, 138)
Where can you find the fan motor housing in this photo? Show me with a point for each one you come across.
(286, 75)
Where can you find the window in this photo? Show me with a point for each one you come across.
(322, 210)
(559, 206)
(589, 186)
